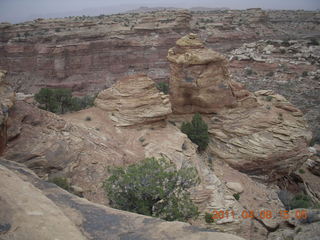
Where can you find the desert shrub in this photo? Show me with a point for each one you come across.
(88, 118)
(54, 100)
(248, 71)
(61, 182)
(304, 74)
(314, 42)
(300, 201)
(163, 87)
(236, 196)
(79, 103)
(208, 217)
(301, 171)
(269, 98)
(270, 74)
(282, 51)
(316, 137)
(197, 131)
(153, 187)
(60, 100)
(286, 43)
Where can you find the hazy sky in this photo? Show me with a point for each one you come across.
(21, 10)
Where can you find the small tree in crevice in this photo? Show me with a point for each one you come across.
(197, 131)
(163, 87)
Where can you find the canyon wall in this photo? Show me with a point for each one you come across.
(88, 54)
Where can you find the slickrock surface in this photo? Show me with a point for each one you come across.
(134, 100)
(33, 209)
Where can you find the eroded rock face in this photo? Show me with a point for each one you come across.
(270, 139)
(260, 134)
(199, 78)
(134, 100)
(6, 102)
(82, 151)
(44, 211)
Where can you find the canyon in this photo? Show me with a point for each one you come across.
(259, 139)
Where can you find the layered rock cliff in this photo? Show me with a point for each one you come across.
(6, 100)
(90, 53)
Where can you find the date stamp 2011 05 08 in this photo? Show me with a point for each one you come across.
(263, 214)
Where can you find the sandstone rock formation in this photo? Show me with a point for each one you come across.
(34, 209)
(134, 100)
(260, 134)
(6, 102)
(269, 140)
(81, 151)
(199, 78)
(53, 147)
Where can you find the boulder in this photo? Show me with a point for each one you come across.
(314, 165)
(134, 100)
(235, 186)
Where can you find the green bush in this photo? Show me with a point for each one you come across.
(316, 137)
(300, 201)
(163, 87)
(197, 131)
(153, 187)
(54, 100)
(208, 217)
(236, 196)
(249, 71)
(61, 182)
(269, 98)
(270, 74)
(60, 100)
(314, 42)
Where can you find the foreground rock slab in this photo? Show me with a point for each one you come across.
(34, 209)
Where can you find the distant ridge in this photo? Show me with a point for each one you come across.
(207, 9)
(156, 9)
